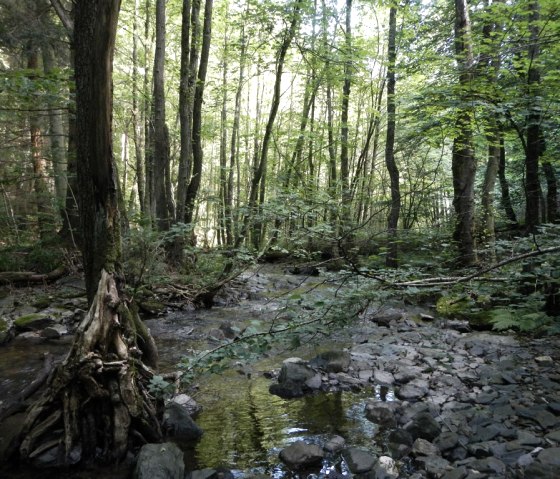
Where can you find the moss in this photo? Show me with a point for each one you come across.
(3, 325)
(24, 321)
(42, 301)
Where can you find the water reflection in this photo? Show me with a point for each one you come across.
(245, 427)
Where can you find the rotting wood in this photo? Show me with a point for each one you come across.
(97, 402)
(26, 277)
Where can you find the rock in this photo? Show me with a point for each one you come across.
(457, 473)
(209, 473)
(286, 390)
(544, 360)
(332, 361)
(385, 318)
(6, 332)
(411, 392)
(358, 460)
(301, 455)
(386, 468)
(56, 331)
(292, 379)
(335, 444)
(447, 440)
(423, 425)
(193, 408)
(435, 466)
(544, 418)
(384, 378)
(315, 382)
(550, 457)
(381, 413)
(229, 331)
(33, 322)
(216, 334)
(489, 465)
(177, 423)
(160, 461)
(421, 447)
(554, 436)
(400, 443)
(426, 317)
(152, 307)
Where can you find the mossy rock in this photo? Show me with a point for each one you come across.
(452, 306)
(32, 322)
(151, 307)
(481, 320)
(42, 301)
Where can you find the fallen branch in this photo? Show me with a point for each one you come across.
(429, 282)
(26, 277)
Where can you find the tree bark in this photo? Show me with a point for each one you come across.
(532, 184)
(161, 139)
(393, 218)
(463, 160)
(504, 186)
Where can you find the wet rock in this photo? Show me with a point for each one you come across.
(335, 444)
(421, 447)
(400, 443)
(424, 426)
(292, 380)
(192, 407)
(381, 413)
(177, 423)
(56, 331)
(301, 455)
(359, 460)
(332, 361)
(411, 392)
(160, 461)
(152, 307)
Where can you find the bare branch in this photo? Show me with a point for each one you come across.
(64, 16)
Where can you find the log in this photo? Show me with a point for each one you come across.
(30, 277)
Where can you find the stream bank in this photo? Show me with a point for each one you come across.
(437, 402)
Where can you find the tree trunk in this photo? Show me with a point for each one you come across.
(136, 119)
(161, 139)
(393, 218)
(97, 402)
(504, 186)
(196, 175)
(463, 160)
(260, 167)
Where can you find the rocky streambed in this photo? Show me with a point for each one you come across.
(397, 394)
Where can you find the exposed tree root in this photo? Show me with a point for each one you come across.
(96, 405)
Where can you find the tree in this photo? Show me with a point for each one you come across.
(393, 218)
(96, 401)
(463, 159)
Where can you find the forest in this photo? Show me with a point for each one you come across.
(392, 155)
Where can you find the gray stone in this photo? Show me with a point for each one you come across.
(421, 447)
(160, 461)
(385, 468)
(295, 372)
(56, 331)
(300, 455)
(489, 465)
(423, 425)
(410, 392)
(435, 466)
(457, 473)
(193, 408)
(550, 456)
(447, 440)
(381, 413)
(315, 382)
(6, 332)
(335, 444)
(358, 460)
(177, 423)
(382, 377)
(332, 361)
(554, 436)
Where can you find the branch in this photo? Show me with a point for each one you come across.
(462, 279)
(65, 18)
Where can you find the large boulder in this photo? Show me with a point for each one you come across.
(301, 455)
(178, 424)
(423, 425)
(160, 461)
(332, 361)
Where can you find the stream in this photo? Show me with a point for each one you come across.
(434, 398)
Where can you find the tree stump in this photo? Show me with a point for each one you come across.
(96, 405)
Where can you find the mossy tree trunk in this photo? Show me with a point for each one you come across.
(96, 404)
